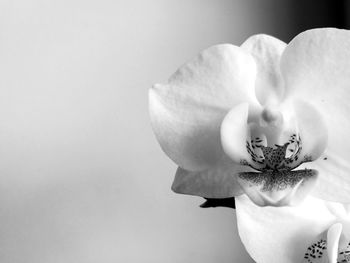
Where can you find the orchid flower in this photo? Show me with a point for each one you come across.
(316, 231)
(265, 119)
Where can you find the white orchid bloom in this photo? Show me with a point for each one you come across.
(243, 119)
(316, 231)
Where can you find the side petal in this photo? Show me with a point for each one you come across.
(187, 112)
(267, 52)
(333, 182)
(219, 181)
(311, 136)
(316, 67)
(281, 234)
(234, 133)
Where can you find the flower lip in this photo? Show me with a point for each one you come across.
(277, 180)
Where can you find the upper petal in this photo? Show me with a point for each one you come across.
(267, 52)
(187, 112)
(316, 66)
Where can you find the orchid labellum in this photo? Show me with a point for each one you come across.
(265, 119)
(316, 231)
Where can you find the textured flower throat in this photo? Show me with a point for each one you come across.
(284, 157)
(275, 164)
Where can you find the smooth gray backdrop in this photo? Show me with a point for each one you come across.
(83, 179)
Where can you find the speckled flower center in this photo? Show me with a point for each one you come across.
(275, 164)
(278, 158)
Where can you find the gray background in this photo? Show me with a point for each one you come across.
(82, 176)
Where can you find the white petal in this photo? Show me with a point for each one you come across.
(312, 130)
(187, 112)
(333, 236)
(234, 133)
(280, 234)
(316, 67)
(216, 182)
(267, 51)
(344, 241)
(333, 183)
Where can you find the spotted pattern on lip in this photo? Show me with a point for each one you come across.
(318, 250)
(344, 256)
(277, 180)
